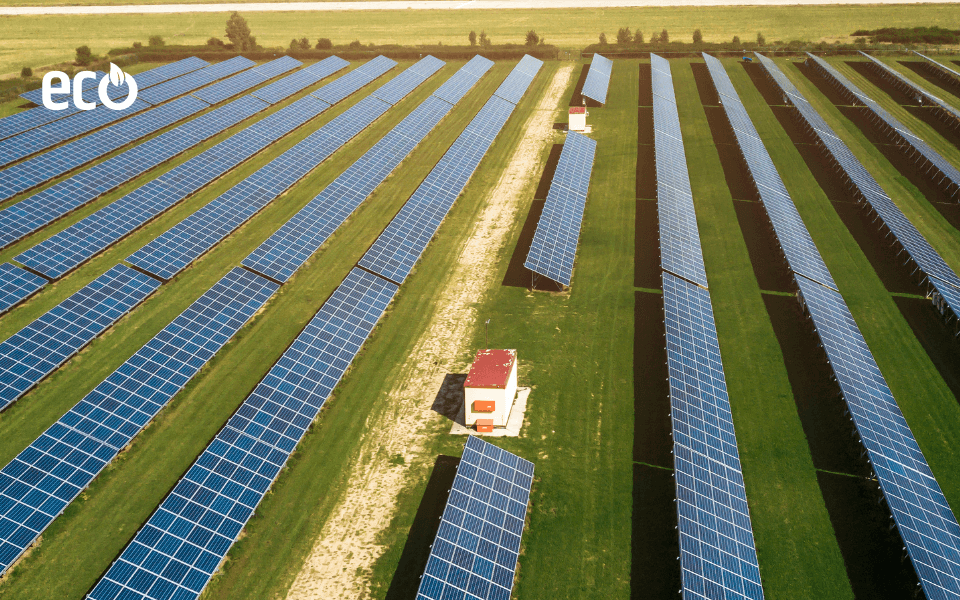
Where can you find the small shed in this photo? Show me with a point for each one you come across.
(577, 118)
(490, 389)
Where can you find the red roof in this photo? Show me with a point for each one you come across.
(491, 369)
(578, 110)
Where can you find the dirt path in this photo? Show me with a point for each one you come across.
(340, 562)
(417, 5)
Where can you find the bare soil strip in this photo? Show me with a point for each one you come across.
(340, 562)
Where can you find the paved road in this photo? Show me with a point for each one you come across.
(420, 5)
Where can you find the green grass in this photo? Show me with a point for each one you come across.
(42, 40)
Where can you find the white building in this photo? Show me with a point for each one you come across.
(490, 389)
(577, 118)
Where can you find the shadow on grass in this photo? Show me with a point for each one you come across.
(450, 398)
(765, 256)
(935, 336)
(413, 560)
(920, 69)
(646, 85)
(655, 570)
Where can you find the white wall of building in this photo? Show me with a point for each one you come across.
(502, 396)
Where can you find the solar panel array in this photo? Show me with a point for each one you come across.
(475, 552)
(301, 80)
(36, 96)
(183, 542)
(191, 81)
(35, 117)
(949, 176)
(42, 346)
(554, 245)
(718, 558)
(37, 485)
(398, 248)
(299, 238)
(929, 529)
(798, 248)
(598, 79)
(335, 91)
(941, 108)
(16, 285)
(179, 246)
(938, 274)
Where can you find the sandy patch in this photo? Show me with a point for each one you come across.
(340, 562)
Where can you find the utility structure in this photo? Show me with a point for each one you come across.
(490, 389)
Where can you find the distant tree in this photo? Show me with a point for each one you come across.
(84, 56)
(26, 72)
(697, 37)
(356, 45)
(294, 45)
(473, 38)
(304, 43)
(215, 42)
(238, 32)
(603, 39)
(137, 45)
(736, 40)
(155, 41)
(532, 38)
(655, 38)
(761, 41)
(637, 37)
(664, 36)
(485, 42)
(324, 44)
(543, 41)
(624, 36)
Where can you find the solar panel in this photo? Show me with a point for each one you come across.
(397, 88)
(406, 237)
(336, 91)
(554, 245)
(179, 246)
(79, 242)
(42, 346)
(598, 79)
(475, 552)
(922, 96)
(162, 73)
(454, 89)
(37, 485)
(300, 237)
(16, 285)
(718, 558)
(31, 118)
(183, 542)
(246, 80)
(515, 85)
(869, 191)
(950, 175)
(922, 515)
(798, 248)
(302, 79)
(191, 81)
(36, 96)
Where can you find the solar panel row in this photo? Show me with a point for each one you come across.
(474, 555)
(37, 485)
(70, 247)
(38, 116)
(194, 80)
(798, 248)
(179, 246)
(943, 110)
(301, 80)
(930, 263)
(929, 529)
(300, 237)
(398, 248)
(335, 91)
(949, 176)
(554, 246)
(183, 542)
(718, 558)
(36, 96)
(598, 79)
(42, 346)
(16, 285)
(939, 69)
(680, 251)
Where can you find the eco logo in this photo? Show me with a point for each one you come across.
(117, 77)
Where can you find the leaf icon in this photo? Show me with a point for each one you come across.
(117, 76)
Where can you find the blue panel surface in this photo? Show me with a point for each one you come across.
(36, 96)
(302, 79)
(475, 552)
(336, 91)
(16, 285)
(42, 346)
(191, 81)
(44, 479)
(463, 80)
(598, 79)
(181, 545)
(515, 85)
(397, 88)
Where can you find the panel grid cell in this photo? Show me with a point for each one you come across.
(42, 346)
(474, 554)
(598, 79)
(182, 544)
(44, 479)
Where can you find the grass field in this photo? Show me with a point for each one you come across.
(41, 40)
(576, 350)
